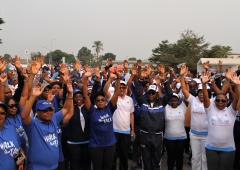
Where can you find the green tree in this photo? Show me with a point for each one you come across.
(85, 56)
(98, 47)
(132, 59)
(57, 56)
(1, 22)
(217, 51)
(7, 57)
(109, 55)
(189, 49)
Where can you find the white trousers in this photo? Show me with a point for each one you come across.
(199, 161)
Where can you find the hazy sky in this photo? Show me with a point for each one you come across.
(126, 27)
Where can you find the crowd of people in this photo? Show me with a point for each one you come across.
(74, 117)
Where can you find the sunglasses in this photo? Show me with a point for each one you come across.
(47, 110)
(220, 100)
(12, 106)
(151, 92)
(3, 113)
(100, 100)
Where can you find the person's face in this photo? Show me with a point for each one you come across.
(45, 115)
(200, 95)
(2, 116)
(56, 89)
(7, 92)
(174, 102)
(78, 99)
(100, 102)
(152, 95)
(193, 85)
(45, 93)
(221, 101)
(126, 65)
(14, 80)
(123, 90)
(12, 107)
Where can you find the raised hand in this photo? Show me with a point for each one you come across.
(97, 72)
(37, 90)
(183, 70)
(16, 62)
(113, 76)
(2, 64)
(3, 78)
(206, 65)
(88, 74)
(229, 73)
(77, 65)
(69, 87)
(205, 77)
(235, 79)
(134, 71)
(35, 67)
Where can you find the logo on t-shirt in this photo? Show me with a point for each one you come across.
(8, 147)
(51, 139)
(105, 118)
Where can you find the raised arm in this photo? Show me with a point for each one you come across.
(205, 78)
(67, 109)
(183, 73)
(107, 85)
(235, 102)
(114, 98)
(3, 80)
(25, 114)
(85, 90)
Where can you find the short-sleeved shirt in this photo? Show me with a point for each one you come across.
(220, 132)
(174, 122)
(121, 116)
(199, 121)
(101, 126)
(16, 122)
(9, 147)
(44, 143)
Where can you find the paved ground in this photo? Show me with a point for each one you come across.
(186, 166)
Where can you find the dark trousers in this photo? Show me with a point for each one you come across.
(175, 150)
(122, 148)
(79, 157)
(151, 149)
(217, 160)
(102, 157)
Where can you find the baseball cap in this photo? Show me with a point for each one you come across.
(43, 105)
(123, 82)
(200, 87)
(153, 87)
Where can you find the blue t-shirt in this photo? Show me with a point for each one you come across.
(9, 147)
(101, 126)
(16, 122)
(43, 143)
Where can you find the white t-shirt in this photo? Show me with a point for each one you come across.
(121, 116)
(220, 131)
(174, 122)
(199, 121)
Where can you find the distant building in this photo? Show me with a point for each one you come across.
(130, 62)
(232, 61)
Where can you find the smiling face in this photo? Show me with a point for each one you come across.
(123, 90)
(45, 115)
(174, 102)
(221, 101)
(78, 99)
(100, 102)
(152, 95)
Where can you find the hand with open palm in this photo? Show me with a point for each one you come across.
(205, 77)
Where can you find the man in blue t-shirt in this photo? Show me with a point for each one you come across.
(42, 130)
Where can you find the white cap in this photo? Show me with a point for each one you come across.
(198, 81)
(123, 82)
(200, 86)
(178, 85)
(153, 87)
(176, 95)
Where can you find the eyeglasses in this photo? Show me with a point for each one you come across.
(47, 110)
(100, 100)
(151, 92)
(12, 106)
(3, 113)
(221, 100)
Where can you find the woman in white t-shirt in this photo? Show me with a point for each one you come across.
(198, 125)
(220, 145)
(175, 134)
